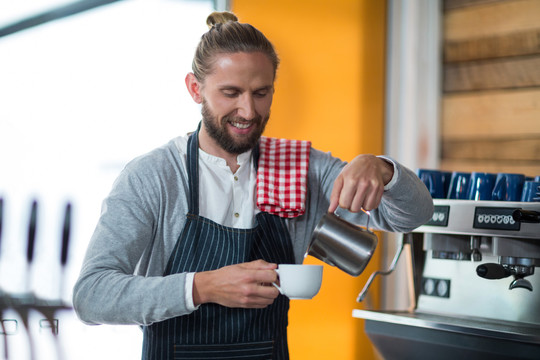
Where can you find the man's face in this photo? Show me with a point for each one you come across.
(236, 100)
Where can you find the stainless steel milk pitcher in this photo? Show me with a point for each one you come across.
(339, 243)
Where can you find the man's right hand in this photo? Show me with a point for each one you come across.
(246, 285)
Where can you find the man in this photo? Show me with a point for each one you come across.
(182, 247)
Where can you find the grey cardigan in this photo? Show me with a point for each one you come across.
(121, 278)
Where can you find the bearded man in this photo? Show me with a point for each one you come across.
(189, 237)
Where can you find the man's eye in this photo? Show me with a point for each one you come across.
(230, 93)
(261, 94)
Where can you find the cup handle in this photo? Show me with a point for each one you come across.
(276, 285)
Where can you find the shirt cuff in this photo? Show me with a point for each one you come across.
(394, 176)
(188, 292)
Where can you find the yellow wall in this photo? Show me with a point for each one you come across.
(329, 90)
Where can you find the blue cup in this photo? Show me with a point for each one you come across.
(459, 185)
(481, 186)
(537, 178)
(433, 179)
(508, 187)
(531, 191)
(446, 178)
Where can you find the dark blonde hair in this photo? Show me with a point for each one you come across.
(226, 36)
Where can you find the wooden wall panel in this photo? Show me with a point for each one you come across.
(491, 86)
(522, 149)
(513, 44)
(491, 166)
(507, 73)
(491, 115)
(491, 19)
(456, 4)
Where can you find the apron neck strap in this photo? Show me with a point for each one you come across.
(193, 170)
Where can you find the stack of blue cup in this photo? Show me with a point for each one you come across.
(531, 190)
(480, 185)
(508, 187)
(459, 185)
(436, 182)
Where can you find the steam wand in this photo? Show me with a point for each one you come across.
(392, 267)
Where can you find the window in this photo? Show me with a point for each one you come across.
(80, 97)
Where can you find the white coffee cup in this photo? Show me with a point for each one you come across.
(297, 281)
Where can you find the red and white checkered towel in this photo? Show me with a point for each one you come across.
(282, 176)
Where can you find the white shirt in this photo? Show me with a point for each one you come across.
(229, 199)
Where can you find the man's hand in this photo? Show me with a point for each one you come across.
(247, 285)
(360, 185)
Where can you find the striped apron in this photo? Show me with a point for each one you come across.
(214, 331)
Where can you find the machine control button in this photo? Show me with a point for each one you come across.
(442, 288)
(435, 287)
(495, 218)
(440, 216)
(429, 286)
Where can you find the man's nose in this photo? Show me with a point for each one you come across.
(246, 107)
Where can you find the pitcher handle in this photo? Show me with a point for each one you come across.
(368, 217)
(363, 210)
(363, 293)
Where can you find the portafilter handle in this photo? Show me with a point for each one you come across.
(492, 271)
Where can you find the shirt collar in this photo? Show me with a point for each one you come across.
(241, 159)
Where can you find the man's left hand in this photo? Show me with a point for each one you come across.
(360, 185)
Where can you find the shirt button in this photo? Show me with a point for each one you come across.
(236, 215)
(236, 178)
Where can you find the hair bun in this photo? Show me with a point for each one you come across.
(220, 17)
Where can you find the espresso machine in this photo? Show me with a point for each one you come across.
(474, 282)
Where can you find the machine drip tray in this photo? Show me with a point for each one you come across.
(415, 335)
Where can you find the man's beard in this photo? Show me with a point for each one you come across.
(218, 131)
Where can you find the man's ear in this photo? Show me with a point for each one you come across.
(194, 87)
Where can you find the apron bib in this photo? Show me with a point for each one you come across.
(214, 331)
